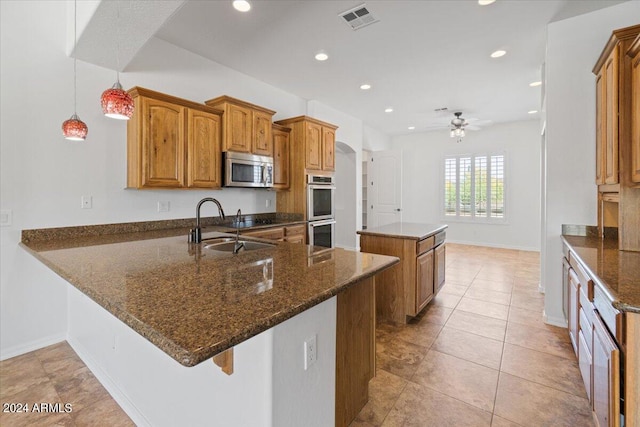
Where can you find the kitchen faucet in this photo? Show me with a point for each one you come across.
(238, 245)
(195, 235)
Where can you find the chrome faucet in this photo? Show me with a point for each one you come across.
(195, 235)
(238, 245)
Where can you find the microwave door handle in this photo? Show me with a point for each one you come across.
(263, 174)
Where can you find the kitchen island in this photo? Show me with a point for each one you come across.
(405, 289)
(153, 290)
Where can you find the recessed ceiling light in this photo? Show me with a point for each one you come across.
(411, 127)
(498, 53)
(241, 5)
(388, 110)
(365, 86)
(533, 111)
(534, 84)
(322, 56)
(485, 2)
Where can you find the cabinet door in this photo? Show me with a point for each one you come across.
(203, 158)
(606, 376)
(424, 280)
(163, 144)
(584, 362)
(574, 307)
(238, 132)
(280, 159)
(262, 142)
(611, 115)
(600, 127)
(635, 120)
(439, 266)
(328, 149)
(313, 146)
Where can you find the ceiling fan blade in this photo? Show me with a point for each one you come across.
(472, 127)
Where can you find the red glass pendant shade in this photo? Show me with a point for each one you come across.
(116, 103)
(74, 129)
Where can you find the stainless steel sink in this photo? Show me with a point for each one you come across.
(226, 244)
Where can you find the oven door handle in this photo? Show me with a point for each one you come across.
(314, 224)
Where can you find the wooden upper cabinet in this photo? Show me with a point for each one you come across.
(246, 127)
(203, 157)
(313, 142)
(172, 142)
(162, 144)
(262, 141)
(281, 157)
(313, 146)
(328, 149)
(600, 128)
(634, 54)
(611, 118)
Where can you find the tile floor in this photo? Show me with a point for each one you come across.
(51, 375)
(479, 354)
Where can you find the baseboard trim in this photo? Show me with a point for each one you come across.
(555, 321)
(31, 346)
(494, 245)
(103, 377)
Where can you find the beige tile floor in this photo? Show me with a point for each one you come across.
(479, 354)
(56, 375)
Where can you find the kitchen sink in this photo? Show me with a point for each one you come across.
(226, 244)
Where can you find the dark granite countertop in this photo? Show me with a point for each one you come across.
(191, 303)
(405, 230)
(616, 272)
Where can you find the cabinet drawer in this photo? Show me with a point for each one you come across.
(424, 245)
(585, 281)
(276, 233)
(611, 317)
(440, 238)
(295, 230)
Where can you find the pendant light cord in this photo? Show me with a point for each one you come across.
(118, 42)
(75, 42)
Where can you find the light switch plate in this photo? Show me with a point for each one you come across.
(6, 217)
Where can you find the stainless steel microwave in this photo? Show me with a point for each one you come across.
(247, 170)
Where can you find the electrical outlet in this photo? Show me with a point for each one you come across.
(86, 202)
(310, 352)
(268, 203)
(164, 206)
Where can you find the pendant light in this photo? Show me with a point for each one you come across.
(116, 103)
(74, 129)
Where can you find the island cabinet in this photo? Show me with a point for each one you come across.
(281, 156)
(405, 289)
(172, 142)
(247, 127)
(617, 171)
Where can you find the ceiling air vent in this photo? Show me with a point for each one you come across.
(358, 17)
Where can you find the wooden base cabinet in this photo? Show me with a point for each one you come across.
(172, 143)
(403, 290)
(606, 377)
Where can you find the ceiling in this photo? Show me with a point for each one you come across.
(420, 56)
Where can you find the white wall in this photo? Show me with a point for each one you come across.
(43, 175)
(573, 46)
(423, 154)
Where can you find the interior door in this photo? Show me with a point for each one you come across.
(385, 187)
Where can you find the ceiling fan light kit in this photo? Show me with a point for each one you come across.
(457, 126)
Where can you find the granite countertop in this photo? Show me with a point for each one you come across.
(191, 303)
(616, 272)
(405, 230)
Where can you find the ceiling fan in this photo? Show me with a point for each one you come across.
(458, 125)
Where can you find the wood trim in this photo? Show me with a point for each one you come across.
(616, 37)
(634, 49)
(225, 361)
(281, 128)
(292, 120)
(137, 91)
(225, 98)
(609, 188)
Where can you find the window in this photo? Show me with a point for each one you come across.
(474, 187)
